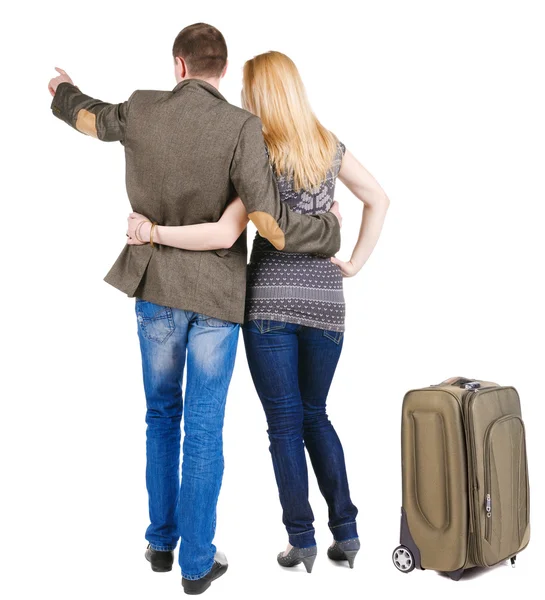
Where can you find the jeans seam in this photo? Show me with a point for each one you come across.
(207, 318)
(200, 576)
(342, 525)
(302, 532)
(163, 548)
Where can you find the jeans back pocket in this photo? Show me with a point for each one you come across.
(155, 322)
(266, 325)
(335, 336)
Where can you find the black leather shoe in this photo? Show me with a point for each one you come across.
(198, 586)
(161, 562)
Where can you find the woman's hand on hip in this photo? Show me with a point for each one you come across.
(348, 268)
(140, 225)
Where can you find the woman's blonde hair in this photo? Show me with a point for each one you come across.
(299, 145)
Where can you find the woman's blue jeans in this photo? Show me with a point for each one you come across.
(185, 510)
(292, 367)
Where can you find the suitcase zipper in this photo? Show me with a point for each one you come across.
(488, 524)
(475, 504)
(488, 485)
(472, 479)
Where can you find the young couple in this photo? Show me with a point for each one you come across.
(197, 168)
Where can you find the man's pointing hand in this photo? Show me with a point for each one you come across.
(62, 78)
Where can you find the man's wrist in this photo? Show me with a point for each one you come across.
(335, 235)
(333, 217)
(58, 102)
(63, 83)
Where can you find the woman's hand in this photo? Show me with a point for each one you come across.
(134, 220)
(348, 269)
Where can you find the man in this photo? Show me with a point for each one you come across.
(188, 153)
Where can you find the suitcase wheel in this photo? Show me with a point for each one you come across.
(403, 559)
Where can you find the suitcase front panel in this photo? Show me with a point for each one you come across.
(500, 475)
(435, 477)
(505, 488)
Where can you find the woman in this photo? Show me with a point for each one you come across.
(294, 324)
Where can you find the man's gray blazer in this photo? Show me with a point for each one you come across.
(188, 154)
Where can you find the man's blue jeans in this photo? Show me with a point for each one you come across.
(185, 512)
(292, 367)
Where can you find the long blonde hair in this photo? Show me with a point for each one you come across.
(299, 145)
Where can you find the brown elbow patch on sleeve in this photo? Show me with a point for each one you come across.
(268, 228)
(86, 123)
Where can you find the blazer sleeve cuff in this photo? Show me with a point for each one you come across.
(334, 239)
(59, 104)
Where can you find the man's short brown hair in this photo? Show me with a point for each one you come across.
(203, 48)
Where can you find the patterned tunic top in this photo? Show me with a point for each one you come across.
(294, 287)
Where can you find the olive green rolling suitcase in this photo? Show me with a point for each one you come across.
(466, 498)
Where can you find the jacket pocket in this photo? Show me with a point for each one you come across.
(155, 321)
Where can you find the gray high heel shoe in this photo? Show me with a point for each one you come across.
(296, 556)
(346, 550)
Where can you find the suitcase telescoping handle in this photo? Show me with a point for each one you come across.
(468, 384)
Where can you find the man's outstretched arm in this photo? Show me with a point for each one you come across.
(254, 182)
(88, 115)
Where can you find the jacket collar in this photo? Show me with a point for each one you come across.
(199, 84)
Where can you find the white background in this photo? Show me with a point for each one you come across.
(443, 102)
